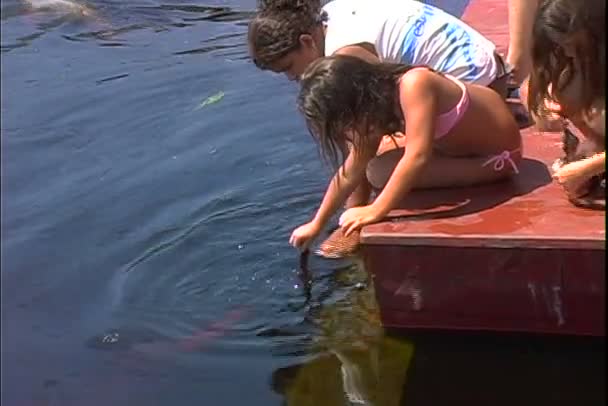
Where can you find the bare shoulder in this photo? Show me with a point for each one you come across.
(360, 51)
(418, 84)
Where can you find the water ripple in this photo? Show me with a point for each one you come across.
(114, 19)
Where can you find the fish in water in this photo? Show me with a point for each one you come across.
(157, 346)
(215, 330)
(574, 150)
(68, 6)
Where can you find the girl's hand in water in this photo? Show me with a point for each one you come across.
(303, 236)
(573, 177)
(357, 217)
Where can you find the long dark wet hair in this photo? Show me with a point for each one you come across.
(579, 24)
(276, 28)
(343, 93)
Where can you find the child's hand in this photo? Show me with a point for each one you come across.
(573, 178)
(356, 217)
(304, 235)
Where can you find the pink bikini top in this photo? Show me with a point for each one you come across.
(447, 121)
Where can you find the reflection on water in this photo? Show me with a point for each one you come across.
(350, 360)
(354, 361)
(371, 376)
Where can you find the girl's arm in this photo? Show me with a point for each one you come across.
(595, 165)
(341, 186)
(573, 176)
(418, 99)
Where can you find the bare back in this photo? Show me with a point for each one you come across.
(487, 126)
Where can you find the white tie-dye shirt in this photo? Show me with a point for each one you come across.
(414, 33)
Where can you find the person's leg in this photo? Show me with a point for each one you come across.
(362, 193)
(360, 197)
(444, 171)
(441, 171)
(521, 19)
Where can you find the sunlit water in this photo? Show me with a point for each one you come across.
(144, 234)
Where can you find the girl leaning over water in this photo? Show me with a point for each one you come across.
(349, 105)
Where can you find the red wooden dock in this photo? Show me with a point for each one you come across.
(514, 256)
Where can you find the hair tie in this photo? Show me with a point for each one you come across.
(322, 17)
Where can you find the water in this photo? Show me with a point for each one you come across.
(144, 236)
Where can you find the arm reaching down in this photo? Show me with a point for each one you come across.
(344, 182)
(419, 107)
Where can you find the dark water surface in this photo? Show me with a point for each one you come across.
(144, 235)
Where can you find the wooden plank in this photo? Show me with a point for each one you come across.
(528, 211)
(489, 289)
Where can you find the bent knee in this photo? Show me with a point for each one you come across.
(380, 168)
